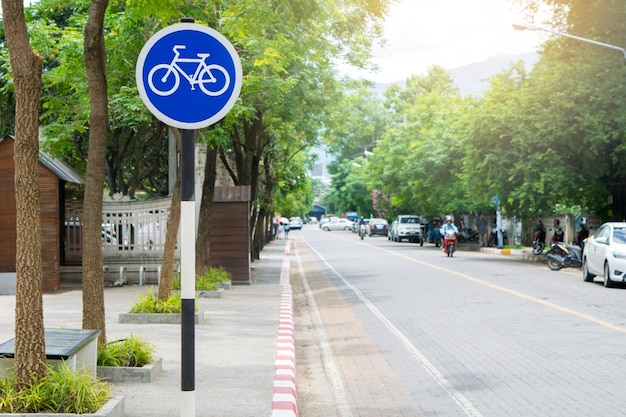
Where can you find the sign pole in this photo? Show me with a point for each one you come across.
(188, 102)
(188, 273)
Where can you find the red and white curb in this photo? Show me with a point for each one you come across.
(284, 398)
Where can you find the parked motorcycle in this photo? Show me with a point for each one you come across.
(563, 255)
(449, 242)
(539, 242)
(468, 235)
(493, 238)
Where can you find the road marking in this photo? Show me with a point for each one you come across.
(519, 294)
(459, 398)
(557, 307)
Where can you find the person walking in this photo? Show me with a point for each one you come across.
(481, 228)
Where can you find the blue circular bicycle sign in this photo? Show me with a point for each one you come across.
(188, 75)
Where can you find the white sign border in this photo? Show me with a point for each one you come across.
(199, 28)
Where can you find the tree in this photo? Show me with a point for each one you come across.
(173, 224)
(93, 276)
(416, 162)
(27, 66)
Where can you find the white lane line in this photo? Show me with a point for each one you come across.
(334, 376)
(459, 398)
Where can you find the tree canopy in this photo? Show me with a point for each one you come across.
(542, 140)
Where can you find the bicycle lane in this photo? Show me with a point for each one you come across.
(341, 371)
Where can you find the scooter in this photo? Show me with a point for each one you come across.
(563, 255)
(449, 242)
(493, 238)
(469, 235)
(539, 242)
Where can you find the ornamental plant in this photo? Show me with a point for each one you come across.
(133, 351)
(61, 390)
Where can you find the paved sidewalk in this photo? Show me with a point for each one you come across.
(236, 343)
(522, 254)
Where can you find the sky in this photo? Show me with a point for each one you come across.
(448, 33)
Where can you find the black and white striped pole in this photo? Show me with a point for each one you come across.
(188, 273)
(188, 102)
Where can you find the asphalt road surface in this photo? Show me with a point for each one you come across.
(395, 329)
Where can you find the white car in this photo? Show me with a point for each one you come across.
(337, 224)
(407, 226)
(605, 254)
(295, 223)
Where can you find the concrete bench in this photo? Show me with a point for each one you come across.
(76, 347)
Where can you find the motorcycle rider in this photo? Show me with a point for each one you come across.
(361, 224)
(448, 226)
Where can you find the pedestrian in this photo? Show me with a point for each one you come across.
(481, 228)
(286, 231)
(276, 225)
(583, 234)
(559, 233)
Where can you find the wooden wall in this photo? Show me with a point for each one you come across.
(229, 231)
(7, 207)
(50, 202)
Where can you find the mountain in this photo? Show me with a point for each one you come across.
(473, 78)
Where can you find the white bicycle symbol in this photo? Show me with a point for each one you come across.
(204, 75)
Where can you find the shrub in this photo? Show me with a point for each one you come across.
(131, 352)
(210, 281)
(62, 390)
(150, 303)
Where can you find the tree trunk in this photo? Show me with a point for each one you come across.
(173, 224)
(93, 276)
(27, 67)
(206, 205)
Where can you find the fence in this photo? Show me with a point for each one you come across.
(131, 228)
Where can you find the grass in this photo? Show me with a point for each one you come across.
(131, 352)
(62, 390)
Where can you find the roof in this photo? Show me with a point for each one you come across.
(61, 169)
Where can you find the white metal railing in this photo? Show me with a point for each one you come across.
(131, 227)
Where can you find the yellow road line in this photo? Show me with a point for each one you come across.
(585, 316)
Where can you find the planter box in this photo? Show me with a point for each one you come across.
(210, 294)
(113, 408)
(156, 318)
(207, 294)
(7, 283)
(145, 373)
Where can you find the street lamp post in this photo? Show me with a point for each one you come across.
(567, 35)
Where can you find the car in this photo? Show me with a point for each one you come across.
(604, 254)
(409, 227)
(295, 223)
(323, 221)
(378, 227)
(337, 224)
(390, 231)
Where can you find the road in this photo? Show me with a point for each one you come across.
(394, 329)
